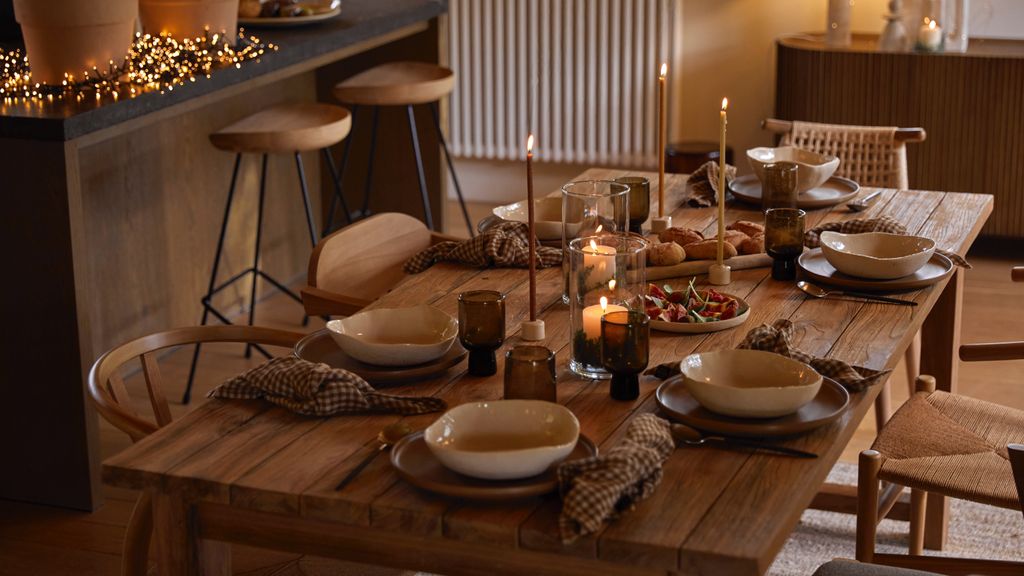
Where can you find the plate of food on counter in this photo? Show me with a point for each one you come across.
(286, 13)
(693, 310)
(680, 252)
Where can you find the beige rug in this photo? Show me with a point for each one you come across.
(975, 531)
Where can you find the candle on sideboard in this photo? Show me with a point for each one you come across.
(592, 317)
(532, 329)
(718, 273)
(661, 222)
(600, 260)
(929, 37)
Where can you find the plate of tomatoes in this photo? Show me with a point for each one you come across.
(693, 310)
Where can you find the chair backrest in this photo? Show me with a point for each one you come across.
(869, 155)
(364, 260)
(110, 396)
(1016, 452)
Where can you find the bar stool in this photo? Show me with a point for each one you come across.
(285, 128)
(399, 84)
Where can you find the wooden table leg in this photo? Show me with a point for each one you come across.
(940, 341)
(180, 551)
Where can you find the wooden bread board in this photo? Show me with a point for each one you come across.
(698, 267)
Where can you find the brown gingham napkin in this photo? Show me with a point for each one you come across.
(318, 390)
(812, 238)
(597, 489)
(703, 184)
(778, 338)
(501, 245)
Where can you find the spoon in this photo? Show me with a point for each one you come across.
(387, 437)
(819, 292)
(683, 434)
(863, 203)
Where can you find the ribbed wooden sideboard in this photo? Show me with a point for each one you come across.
(972, 106)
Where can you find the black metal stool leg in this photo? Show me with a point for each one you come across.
(368, 186)
(419, 167)
(305, 200)
(339, 176)
(187, 396)
(256, 254)
(451, 168)
(338, 195)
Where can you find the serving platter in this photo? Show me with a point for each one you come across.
(675, 400)
(320, 347)
(812, 265)
(416, 464)
(288, 21)
(835, 190)
(707, 327)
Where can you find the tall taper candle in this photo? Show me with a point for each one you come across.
(724, 120)
(530, 219)
(662, 121)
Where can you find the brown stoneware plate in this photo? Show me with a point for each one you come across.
(813, 266)
(320, 347)
(416, 464)
(834, 191)
(677, 403)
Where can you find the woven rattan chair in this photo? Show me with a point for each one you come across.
(110, 396)
(945, 444)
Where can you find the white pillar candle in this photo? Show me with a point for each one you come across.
(592, 317)
(600, 260)
(929, 37)
(837, 31)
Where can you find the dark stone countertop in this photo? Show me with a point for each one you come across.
(360, 20)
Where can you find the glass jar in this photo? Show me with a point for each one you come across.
(591, 207)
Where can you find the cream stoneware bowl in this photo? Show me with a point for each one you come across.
(547, 216)
(749, 383)
(876, 255)
(813, 169)
(396, 336)
(503, 439)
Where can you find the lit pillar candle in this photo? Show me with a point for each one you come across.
(929, 37)
(592, 317)
(600, 260)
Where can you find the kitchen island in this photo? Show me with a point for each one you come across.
(112, 209)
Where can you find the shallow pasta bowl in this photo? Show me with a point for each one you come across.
(813, 169)
(876, 255)
(396, 336)
(503, 439)
(749, 383)
(547, 216)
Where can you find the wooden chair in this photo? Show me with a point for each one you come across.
(111, 399)
(873, 156)
(356, 265)
(946, 444)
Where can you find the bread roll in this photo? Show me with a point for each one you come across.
(747, 227)
(681, 236)
(735, 237)
(708, 250)
(752, 245)
(665, 254)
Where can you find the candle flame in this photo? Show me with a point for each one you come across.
(604, 304)
(611, 284)
(593, 246)
(725, 103)
(664, 70)
(529, 144)
(931, 25)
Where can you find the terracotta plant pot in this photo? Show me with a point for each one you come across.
(72, 36)
(190, 18)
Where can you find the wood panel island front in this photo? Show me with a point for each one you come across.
(112, 209)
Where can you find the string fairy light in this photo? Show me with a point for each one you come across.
(154, 63)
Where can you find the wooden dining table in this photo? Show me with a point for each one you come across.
(250, 473)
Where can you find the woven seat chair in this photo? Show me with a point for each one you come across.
(110, 397)
(946, 444)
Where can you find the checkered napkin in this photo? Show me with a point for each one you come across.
(703, 184)
(597, 489)
(812, 238)
(318, 390)
(502, 245)
(778, 338)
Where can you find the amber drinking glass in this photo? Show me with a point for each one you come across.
(784, 240)
(482, 328)
(625, 346)
(530, 373)
(639, 201)
(779, 188)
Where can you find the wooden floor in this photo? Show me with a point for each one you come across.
(42, 540)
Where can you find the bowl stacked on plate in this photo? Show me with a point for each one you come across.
(813, 169)
(876, 255)
(396, 336)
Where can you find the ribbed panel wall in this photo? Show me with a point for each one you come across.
(582, 74)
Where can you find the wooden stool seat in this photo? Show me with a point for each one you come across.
(397, 84)
(286, 128)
